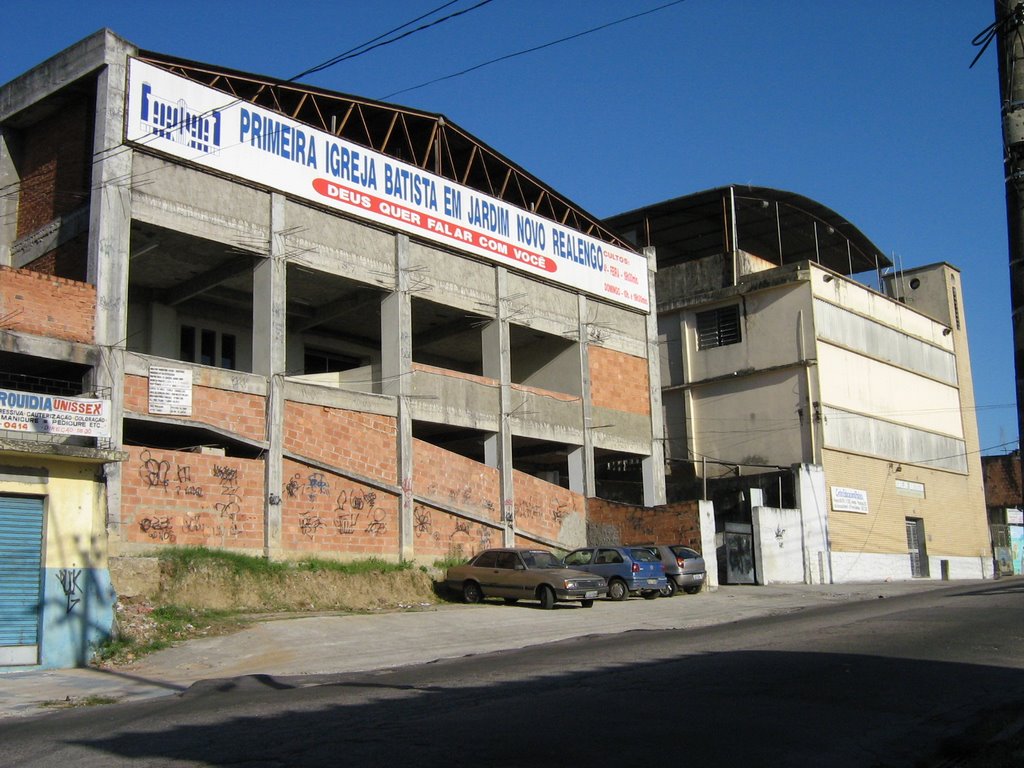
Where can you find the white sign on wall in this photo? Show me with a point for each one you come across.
(174, 115)
(849, 500)
(1014, 516)
(53, 415)
(910, 488)
(170, 391)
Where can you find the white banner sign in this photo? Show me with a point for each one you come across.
(849, 500)
(50, 414)
(207, 127)
(170, 391)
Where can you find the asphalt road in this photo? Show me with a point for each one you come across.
(874, 683)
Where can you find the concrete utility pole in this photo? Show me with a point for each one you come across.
(1009, 32)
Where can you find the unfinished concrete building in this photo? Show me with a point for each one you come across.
(316, 325)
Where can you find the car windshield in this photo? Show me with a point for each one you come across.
(540, 559)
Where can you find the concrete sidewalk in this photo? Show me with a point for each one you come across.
(336, 644)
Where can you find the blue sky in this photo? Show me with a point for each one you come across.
(867, 106)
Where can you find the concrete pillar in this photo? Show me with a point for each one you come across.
(589, 483)
(577, 470)
(812, 499)
(9, 194)
(654, 465)
(396, 370)
(108, 250)
(269, 348)
(497, 364)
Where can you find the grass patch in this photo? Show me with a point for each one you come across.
(184, 559)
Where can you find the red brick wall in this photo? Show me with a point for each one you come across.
(55, 165)
(1002, 480)
(191, 499)
(670, 524)
(618, 381)
(55, 169)
(456, 481)
(541, 507)
(237, 412)
(48, 306)
(324, 514)
(364, 443)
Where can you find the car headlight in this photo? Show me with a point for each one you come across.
(570, 584)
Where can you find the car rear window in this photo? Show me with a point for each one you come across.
(680, 551)
(643, 555)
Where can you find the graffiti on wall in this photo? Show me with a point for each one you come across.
(167, 478)
(68, 578)
(354, 508)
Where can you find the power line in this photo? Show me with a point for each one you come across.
(534, 49)
(373, 44)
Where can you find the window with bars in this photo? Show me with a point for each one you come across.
(718, 327)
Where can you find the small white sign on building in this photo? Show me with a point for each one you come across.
(910, 488)
(170, 391)
(849, 500)
(1014, 516)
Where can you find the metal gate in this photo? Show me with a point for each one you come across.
(21, 548)
(916, 548)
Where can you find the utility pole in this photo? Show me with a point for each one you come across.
(1009, 33)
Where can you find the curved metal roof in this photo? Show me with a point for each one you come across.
(781, 227)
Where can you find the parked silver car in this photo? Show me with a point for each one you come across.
(527, 574)
(683, 566)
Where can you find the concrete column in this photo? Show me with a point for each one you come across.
(9, 194)
(109, 240)
(812, 498)
(269, 347)
(589, 483)
(654, 465)
(497, 364)
(396, 370)
(577, 470)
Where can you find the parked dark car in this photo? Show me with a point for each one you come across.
(684, 568)
(527, 574)
(629, 570)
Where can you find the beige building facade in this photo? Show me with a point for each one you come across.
(788, 383)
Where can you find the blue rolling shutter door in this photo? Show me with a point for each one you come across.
(21, 546)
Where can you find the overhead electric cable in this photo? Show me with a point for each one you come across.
(534, 49)
(374, 44)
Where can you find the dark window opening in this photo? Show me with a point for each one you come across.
(718, 327)
(322, 361)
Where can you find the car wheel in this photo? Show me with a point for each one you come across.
(670, 589)
(693, 590)
(617, 590)
(471, 592)
(511, 600)
(587, 603)
(650, 594)
(547, 598)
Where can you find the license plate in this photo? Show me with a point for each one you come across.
(699, 577)
(652, 581)
(590, 595)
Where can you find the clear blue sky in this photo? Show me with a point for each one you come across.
(867, 106)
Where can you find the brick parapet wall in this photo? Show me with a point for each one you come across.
(618, 381)
(613, 523)
(192, 499)
(56, 307)
(238, 412)
(328, 515)
(363, 443)
(543, 509)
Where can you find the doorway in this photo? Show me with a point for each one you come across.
(916, 548)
